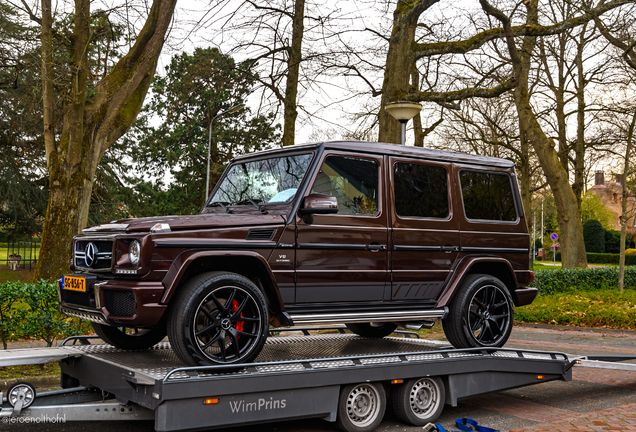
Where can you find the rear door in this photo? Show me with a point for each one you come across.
(425, 228)
(343, 257)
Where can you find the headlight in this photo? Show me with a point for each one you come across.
(135, 252)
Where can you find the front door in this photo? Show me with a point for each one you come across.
(425, 229)
(343, 257)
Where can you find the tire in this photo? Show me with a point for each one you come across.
(14, 392)
(204, 331)
(129, 338)
(481, 314)
(419, 401)
(373, 330)
(361, 407)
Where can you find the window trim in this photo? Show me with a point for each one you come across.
(379, 161)
(491, 221)
(446, 167)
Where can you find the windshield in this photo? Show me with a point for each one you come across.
(268, 181)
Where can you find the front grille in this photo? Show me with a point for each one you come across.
(260, 234)
(101, 252)
(120, 303)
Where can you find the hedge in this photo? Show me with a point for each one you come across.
(30, 311)
(605, 258)
(590, 279)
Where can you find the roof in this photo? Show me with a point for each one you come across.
(389, 149)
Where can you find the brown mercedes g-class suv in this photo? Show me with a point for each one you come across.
(372, 235)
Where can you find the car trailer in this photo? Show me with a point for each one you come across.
(339, 377)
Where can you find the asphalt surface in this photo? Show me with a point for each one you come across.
(595, 399)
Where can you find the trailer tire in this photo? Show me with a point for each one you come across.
(361, 407)
(373, 330)
(481, 313)
(204, 331)
(419, 401)
(141, 339)
(13, 394)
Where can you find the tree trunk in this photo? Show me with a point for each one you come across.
(399, 64)
(624, 215)
(293, 71)
(579, 146)
(89, 128)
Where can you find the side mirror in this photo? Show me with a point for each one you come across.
(318, 204)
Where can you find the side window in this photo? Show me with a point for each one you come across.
(420, 190)
(487, 196)
(353, 181)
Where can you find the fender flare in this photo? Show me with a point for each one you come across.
(461, 270)
(179, 266)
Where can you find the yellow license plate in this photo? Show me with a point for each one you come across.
(75, 283)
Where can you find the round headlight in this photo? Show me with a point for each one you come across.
(135, 252)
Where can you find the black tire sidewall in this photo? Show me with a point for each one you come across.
(180, 330)
(115, 337)
(455, 331)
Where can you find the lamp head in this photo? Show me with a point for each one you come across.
(403, 111)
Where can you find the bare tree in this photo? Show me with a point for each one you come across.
(91, 123)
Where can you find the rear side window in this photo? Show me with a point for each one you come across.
(487, 196)
(420, 190)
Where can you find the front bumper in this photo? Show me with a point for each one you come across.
(114, 302)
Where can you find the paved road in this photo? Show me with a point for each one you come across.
(595, 400)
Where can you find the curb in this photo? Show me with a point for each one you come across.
(46, 381)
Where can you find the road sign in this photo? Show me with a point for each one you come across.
(554, 236)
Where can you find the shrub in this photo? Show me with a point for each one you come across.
(572, 280)
(594, 236)
(613, 241)
(30, 311)
(538, 244)
(605, 258)
(630, 251)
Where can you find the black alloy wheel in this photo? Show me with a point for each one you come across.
(218, 318)
(481, 314)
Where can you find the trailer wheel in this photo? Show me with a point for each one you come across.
(218, 318)
(372, 329)
(361, 407)
(481, 314)
(13, 394)
(419, 401)
(130, 338)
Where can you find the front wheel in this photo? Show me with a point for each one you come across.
(218, 318)
(361, 407)
(481, 314)
(130, 338)
(372, 329)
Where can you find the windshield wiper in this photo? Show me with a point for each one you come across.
(220, 204)
(254, 203)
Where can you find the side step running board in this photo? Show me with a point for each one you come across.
(365, 316)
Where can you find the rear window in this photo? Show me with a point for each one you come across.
(420, 190)
(487, 196)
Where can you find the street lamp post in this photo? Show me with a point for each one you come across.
(232, 110)
(403, 112)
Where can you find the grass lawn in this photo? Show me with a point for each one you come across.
(19, 275)
(602, 309)
(29, 371)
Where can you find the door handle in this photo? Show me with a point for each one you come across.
(450, 248)
(375, 247)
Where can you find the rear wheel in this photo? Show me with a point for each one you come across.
(130, 338)
(361, 407)
(419, 401)
(218, 318)
(373, 329)
(481, 314)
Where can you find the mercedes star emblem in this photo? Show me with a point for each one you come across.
(91, 254)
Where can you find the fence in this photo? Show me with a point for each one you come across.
(20, 253)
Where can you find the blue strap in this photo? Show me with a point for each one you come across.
(466, 425)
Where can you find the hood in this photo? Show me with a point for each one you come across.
(180, 223)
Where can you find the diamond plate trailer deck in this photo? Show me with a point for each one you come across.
(293, 377)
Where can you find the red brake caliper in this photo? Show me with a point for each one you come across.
(239, 324)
